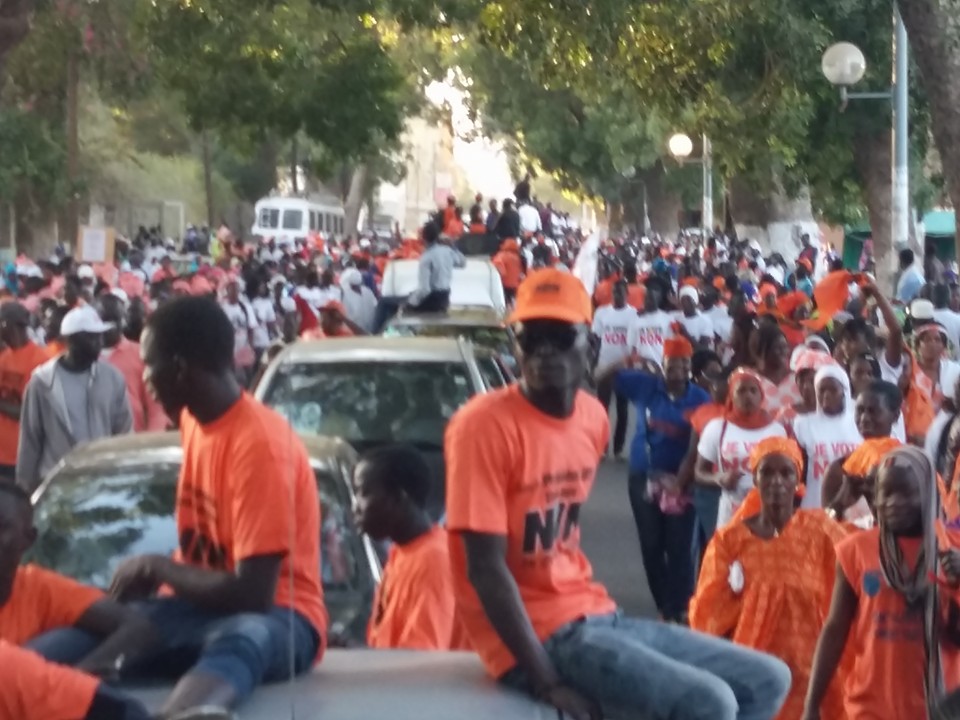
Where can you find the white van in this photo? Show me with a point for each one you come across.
(476, 285)
(286, 219)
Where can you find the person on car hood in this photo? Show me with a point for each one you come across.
(510, 266)
(246, 603)
(414, 607)
(521, 462)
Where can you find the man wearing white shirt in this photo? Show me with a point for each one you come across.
(649, 329)
(697, 325)
(530, 223)
(612, 324)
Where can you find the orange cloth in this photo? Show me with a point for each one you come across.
(831, 295)
(523, 475)
(777, 446)
(704, 414)
(414, 606)
(886, 637)
(16, 367)
(678, 347)
(865, 458)
(54, 348)
(34, 689)
(245, 479)
(782, 602)
(40, 601)
(551, 294)
(148, 414)
(508, 264)
(478, 228)
(918, 406)
(603, 294)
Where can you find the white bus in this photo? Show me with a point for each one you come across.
(286, 219)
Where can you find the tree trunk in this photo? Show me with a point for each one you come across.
(294, 162)
(934, 30)
(772, 218)
(207, 176)
(663, 204)
(354, 200)
(872, 156)
(614, 213)
(72, 225)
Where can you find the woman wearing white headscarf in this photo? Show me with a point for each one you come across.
(358, 300)
(829, 433)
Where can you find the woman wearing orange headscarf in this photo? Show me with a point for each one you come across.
(767, 580)
(723, 454)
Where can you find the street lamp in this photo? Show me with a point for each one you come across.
(844, 65)
(681, 147)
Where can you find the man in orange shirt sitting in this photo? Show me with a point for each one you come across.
(247, 604)
(45, 611)
(414, 606)
(521, 462)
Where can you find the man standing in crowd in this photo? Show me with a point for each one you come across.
(521, 463)
(530, 223)
(414, 607)
(697, 325)
(508, 223)
(611, 325)
(911, 277)
(71, 399)
(124, 355)
(19, 357)
(246, 604)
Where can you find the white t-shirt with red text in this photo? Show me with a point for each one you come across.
(728, 447)
(612, 326)
(648, 333)
(824, 439)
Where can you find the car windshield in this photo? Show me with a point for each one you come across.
(90, 519)
(370, 403)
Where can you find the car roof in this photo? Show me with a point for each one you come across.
(374, 348)
(456, 316)
(166, 446)
(395, 684)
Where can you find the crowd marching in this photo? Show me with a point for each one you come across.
(793, 473)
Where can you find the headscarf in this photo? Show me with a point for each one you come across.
(865, 458)
(759, 419)
(777, 446)
(832, 371)
(678, 347)
(806, 358)
(917, 586)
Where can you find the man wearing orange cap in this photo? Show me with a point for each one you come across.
(521, 462)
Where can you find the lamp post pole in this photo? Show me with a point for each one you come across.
(901, 139)
(707, 210)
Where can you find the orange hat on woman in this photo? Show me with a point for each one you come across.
(678, 347)
(777, 446)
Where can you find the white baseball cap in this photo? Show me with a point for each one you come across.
(83, 319)
(690, 292)
(85, 272)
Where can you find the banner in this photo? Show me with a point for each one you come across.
(585, 265)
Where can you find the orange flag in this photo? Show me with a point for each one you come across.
(831, 295)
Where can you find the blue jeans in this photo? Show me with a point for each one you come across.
(244, 650)
(665, 544)
(646, 669)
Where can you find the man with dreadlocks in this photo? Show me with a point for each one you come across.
(888, 605)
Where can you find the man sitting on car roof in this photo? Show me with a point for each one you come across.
(36, 603)
(247, 603)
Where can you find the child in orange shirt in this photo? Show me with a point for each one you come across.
(414, 607)
(889, 609)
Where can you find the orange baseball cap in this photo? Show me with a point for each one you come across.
(550, 294)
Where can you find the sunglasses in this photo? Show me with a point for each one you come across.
(558, 336)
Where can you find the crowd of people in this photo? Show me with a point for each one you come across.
(793, 476)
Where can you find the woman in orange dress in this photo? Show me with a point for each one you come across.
(767, 580)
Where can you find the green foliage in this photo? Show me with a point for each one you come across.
(32, 169)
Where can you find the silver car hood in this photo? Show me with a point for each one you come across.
(386, 684)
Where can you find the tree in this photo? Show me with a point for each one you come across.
(934, 30)
(14, 26)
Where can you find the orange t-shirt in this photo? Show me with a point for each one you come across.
(33, 689)
(245, 479)
(15, 369)
(414, 606)
(886, 637)
(40, 601)
(516, 472)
